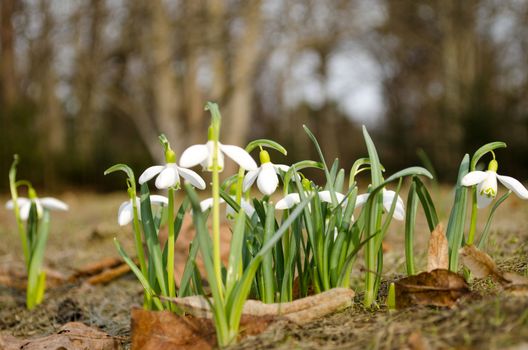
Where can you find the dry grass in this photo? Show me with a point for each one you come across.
(493, 320)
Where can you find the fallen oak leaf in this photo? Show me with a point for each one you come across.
(482, 266)
(438, 252)
(436, 288)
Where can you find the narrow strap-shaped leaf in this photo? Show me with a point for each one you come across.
(146, 285)
(410, 222)
(427, 203)
(37, 256)
(149, 228)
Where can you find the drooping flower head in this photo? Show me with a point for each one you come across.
(125, 214)
(266, 175)
(388, 198)
(168, 175)
(203, 155)
(41, 204)
(486, 182)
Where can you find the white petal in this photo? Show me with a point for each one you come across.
(24, 210)
(207, 163)
(149, 173)
(248, 208)
(157, 199)
(168, 177)
(53, 203)
(487, 190)
(483, 201)
(288, 201)
(239, 155)
(206, 204)
(282, 167)
(194, 155)
(513, 185)
(192, 177)
(250, 178)
(399, 210)
(474, 178)
(20, 201)
(267, 180)
(361, 199)
(325, 196)
(125, 213)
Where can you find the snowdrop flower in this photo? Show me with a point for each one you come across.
(125, 214)
(293, 198)
(486, 182)
(169, 174)
(388, 197)
(230, 212)
(48, 203)
(266, 175)
(203, 154)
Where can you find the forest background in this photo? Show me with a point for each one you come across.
(85, 84)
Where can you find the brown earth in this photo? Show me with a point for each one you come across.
(493, 320)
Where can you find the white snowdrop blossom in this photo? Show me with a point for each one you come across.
(48, 203)
(169, 176)
(486, 182)
(125, 214)
(293, 198)
(230, 212)
(203, 154)
(388, 197)
(266, 175)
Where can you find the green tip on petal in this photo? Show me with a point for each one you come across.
(264, 157)
(493, 165)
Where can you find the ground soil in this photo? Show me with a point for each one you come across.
(490, 318)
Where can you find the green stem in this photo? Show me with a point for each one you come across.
(20, 224)
(139, 247)
(473, 223)
(217, 262)
(170, 247)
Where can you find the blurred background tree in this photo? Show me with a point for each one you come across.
(88, 83)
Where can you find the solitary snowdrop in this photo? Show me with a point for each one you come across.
(203, 154)
(46, 203)
(125, 214)
(266, 175)
(388, 197)
(486, 182)
(169, 174)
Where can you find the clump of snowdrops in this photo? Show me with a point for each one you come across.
(292, 232)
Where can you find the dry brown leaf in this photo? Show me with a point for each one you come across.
(438, 288)
(109, 275)
(438, 253)
(165, 330)
(300, 311)
(482, 265)
(71, 336)
(96, 267)
(15, 276)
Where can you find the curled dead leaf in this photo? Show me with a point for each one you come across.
(482, 266)
(438, 252)
(437, 288)
(300, 311)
